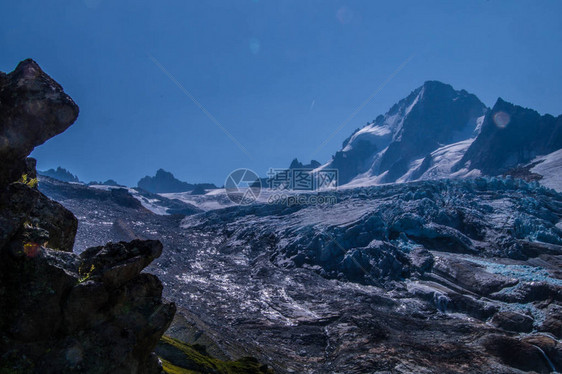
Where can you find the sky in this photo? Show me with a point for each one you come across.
(201, 88)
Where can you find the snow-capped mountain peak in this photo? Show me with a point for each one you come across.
(431, 116)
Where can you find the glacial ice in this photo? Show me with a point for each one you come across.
(367, 236)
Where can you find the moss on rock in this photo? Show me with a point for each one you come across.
(181, 358)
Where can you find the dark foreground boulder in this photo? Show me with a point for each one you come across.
(69, 313)
(33, 109)
(61, 312)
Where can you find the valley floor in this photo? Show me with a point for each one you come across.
(427, 277)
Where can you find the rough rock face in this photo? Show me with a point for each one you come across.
(511, 136)
(33, 109)
(62, 312)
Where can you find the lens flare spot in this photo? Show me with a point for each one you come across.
(31, 249)
(344, 15)
(501, 119)
(255, 46)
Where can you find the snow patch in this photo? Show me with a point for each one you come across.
(550, 167)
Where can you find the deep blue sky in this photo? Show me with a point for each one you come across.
(280, 76)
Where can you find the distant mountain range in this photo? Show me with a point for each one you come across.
(165, 182)
(162, 182)
(63, 175)
(435, 132)
(60, 174)
(438, 132)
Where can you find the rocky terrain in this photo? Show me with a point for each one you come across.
(429, 277)
(61, 312)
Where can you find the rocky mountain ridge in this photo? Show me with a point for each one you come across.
(437, 132)
(165, 182)
(511, 136)
(59, 173)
